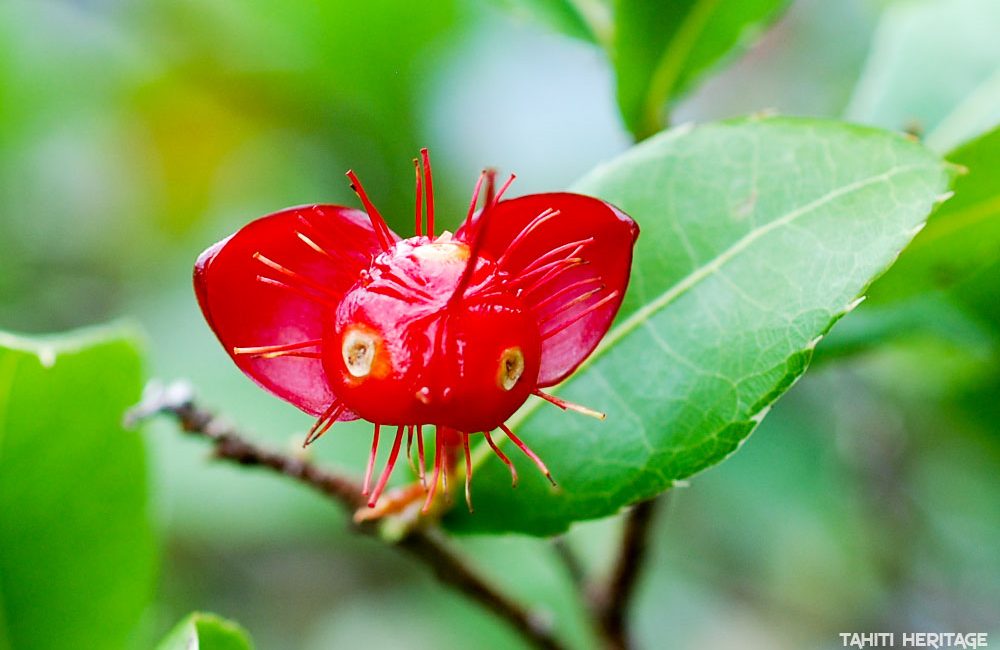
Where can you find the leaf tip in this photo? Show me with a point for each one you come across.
(941, 198)
(851, 306)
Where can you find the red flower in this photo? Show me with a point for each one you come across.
(327, 308)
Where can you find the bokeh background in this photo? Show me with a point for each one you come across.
(134, 134)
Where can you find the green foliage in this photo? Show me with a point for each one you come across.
(583, 19)
(202, 631)
(757, 235)
(933, 64)
(76, 547)
(960, 240)
(662, 48)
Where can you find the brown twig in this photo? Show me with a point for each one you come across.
(610, 604)
(426, 545)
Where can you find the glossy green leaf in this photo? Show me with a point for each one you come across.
(662, 48)
(76, 546)
(587, 20)
(927, 58)
(201, 631)
(962, 238)
(757, 235)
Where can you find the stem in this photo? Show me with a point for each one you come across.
(610, 606)
(426, 545)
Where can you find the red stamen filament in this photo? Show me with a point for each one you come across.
(503, 457)
(468, 472)
(323, 424)
(418, 218)
(389, 274)
(420, 456)
(569, 304)
(313, 245)
(346, 239)
(503, 188)
(546, 259)
(597, 305)
(297, 290)
(429, 182)
(543, 216)
(475, 198)
(548, 272)
(366, 490)
(271, 351)
(527, 452)
(388, 468)
(297, 277)
(564, 405)
(378, 223)
(567, 289)
(477, 244)
(491, 182)
(435, 477)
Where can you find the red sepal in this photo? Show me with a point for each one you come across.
(245, 311)
(610, 235)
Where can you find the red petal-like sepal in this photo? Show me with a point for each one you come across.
(267, 290)
(570, 256)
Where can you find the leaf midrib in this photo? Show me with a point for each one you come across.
(645, 313)
(664, 78)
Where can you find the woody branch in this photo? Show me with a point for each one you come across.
(425, 545)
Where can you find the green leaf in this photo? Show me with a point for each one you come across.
(76, 546)
(962, 238)
(973, 116)
(662, 48)
(757, 235)
(926, 59)
(586, 20)
(202, 631)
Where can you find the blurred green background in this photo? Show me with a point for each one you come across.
(135, 134)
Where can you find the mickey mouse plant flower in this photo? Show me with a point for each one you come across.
(327, 308)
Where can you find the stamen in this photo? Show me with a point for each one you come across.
(297, 290)
(425, 156)
(527, 452)
(503, 188)
(503, 457)
(378, 223)
(547, 273)
(418, 218)
(559, 251)
(401, 292)
(391, 275)
(371, 462)
(438, 462)
(301, 279)
(544, 216)
(323, 424)
(569, 304)
(564, 405)
(313, 245)
(597, 305)
(468, 472)
(567, 289)
(388, 468)
(420, 456)
(491, 181)
(271, 351)
(482, 226)
(409, 445)
(475, 199)
(347, 239)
